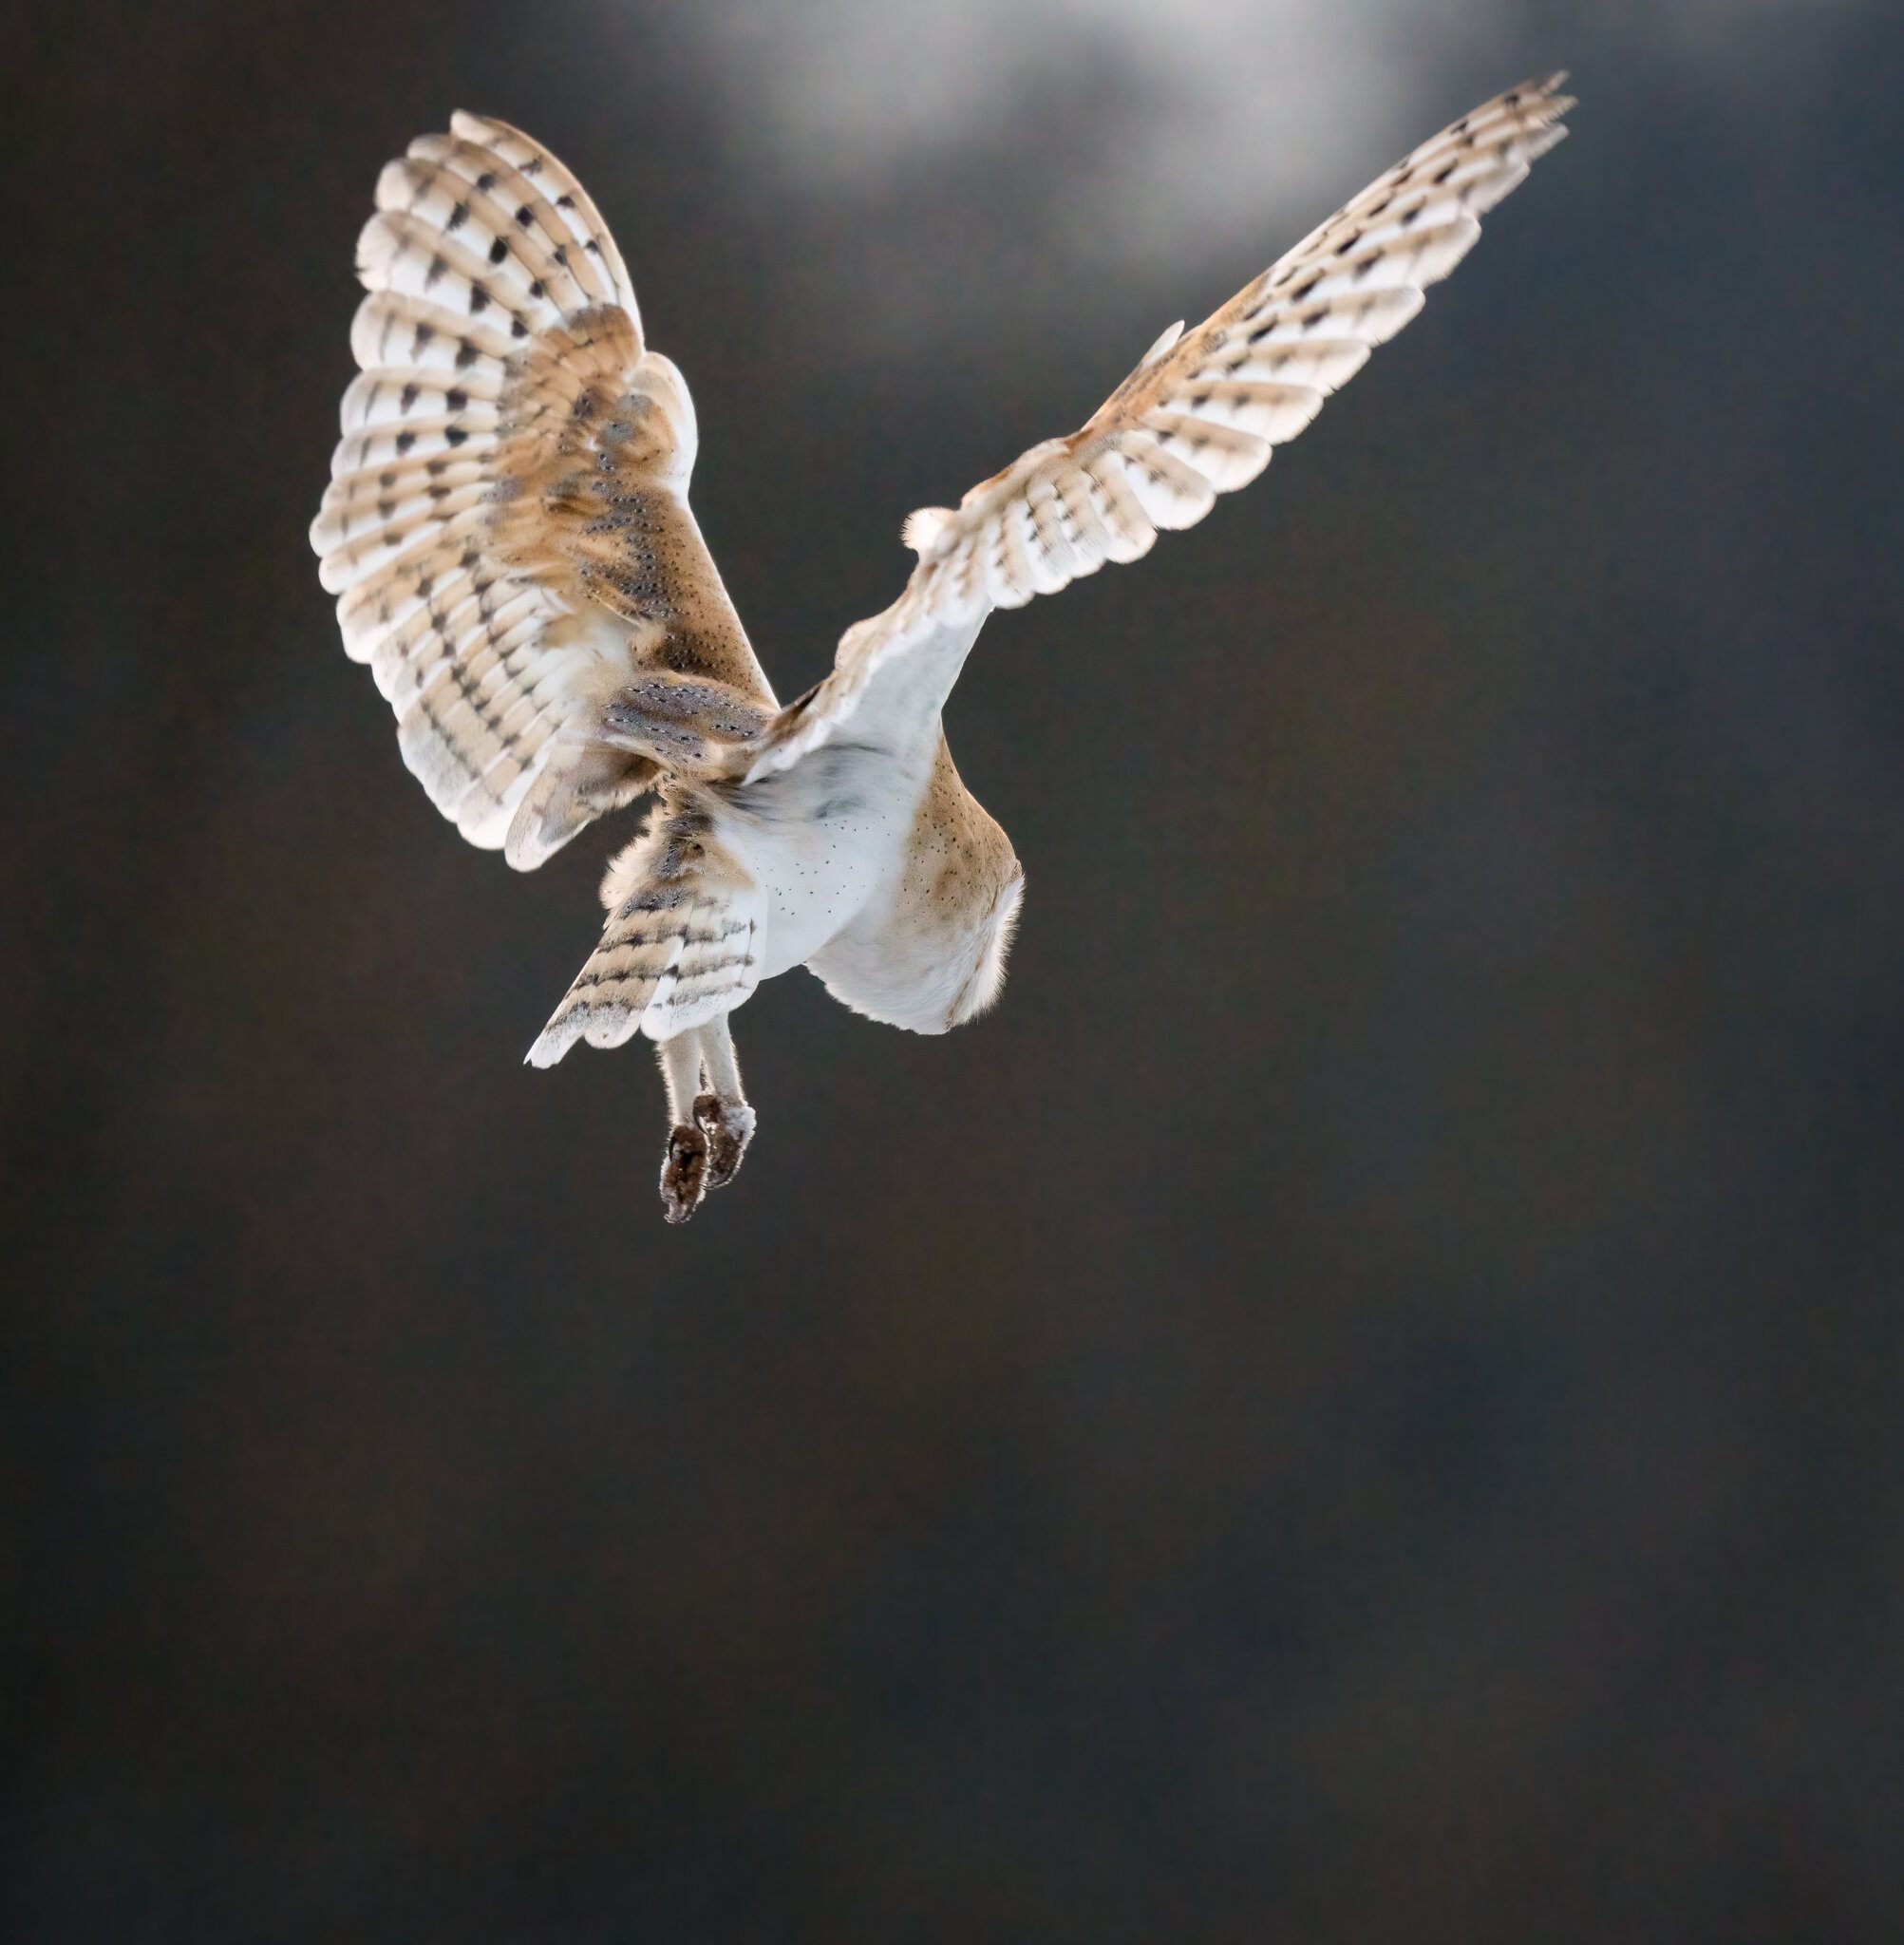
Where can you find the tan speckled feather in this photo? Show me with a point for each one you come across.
(1202, 411)
(507, 525)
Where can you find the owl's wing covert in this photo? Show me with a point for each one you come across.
(507, 524)
(1200, 414)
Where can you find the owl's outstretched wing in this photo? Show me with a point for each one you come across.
(1200, 414)
(507, 524)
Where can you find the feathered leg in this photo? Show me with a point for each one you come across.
(723, 1112)
(684, 1168)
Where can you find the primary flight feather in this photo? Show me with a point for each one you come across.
(508, 534)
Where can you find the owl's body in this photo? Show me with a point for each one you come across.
(509, 533)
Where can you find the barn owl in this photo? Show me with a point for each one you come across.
(508, 532)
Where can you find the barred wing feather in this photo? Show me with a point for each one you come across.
(1200, 414)
(507, 526)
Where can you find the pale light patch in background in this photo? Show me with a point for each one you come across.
(942, 146)
(943, 152)
(841, 85)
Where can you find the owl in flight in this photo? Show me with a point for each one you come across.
(508, 533)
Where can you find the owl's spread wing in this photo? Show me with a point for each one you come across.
(507, 524)
(1200, 414)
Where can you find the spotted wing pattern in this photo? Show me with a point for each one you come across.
(1200, 414)
(507, 525)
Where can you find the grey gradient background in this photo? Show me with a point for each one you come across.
(1362, 1403)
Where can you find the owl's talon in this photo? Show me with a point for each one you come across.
(729, 1127)
(684, 1173)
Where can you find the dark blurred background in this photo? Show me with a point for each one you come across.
(1362, 1403)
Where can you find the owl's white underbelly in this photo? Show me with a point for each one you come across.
(824, 842)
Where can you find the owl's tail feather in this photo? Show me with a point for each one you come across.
(681, 946)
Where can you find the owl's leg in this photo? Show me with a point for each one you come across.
(684, 1168)
(723, 1111)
